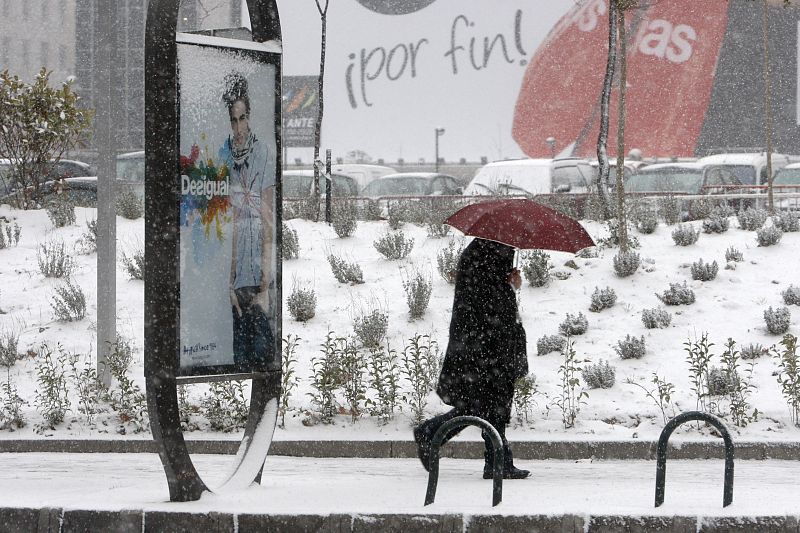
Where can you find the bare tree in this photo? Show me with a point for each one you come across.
(322, 7)
(605, 99)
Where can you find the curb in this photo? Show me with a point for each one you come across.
(76, 520)
(529, 450)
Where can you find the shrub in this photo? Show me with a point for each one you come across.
(525, 390)
(225, 406)
(396, 215)
(751, 219)
(716, 222)
(343, 218)
(290, 243)
(677, 294)
(599, 375)
(704, 271)
(418, 287)
(325, 379)
(733, 254)
(9, 347)
(54, 262)
(630, 347)
(370, 328)
(656, 318)
(753, 351)
(669, 208)
(9, 235)
(61, 211)
(612, 241)
(129, 205)
(447, 261)
(134, 264)
(791, 296)
(536, 267)
(570, 398)
(52, 398)
(373, 211)
(302, 304)
(768, 236)
(69, 302)
(721, 382)
(684, 235)
(87, 242)
(602, 299)
(573, 325)
(384, 382)
(777, 320)
(786, 221)
(550, 343)
(394, 245)
(437, 213)
(421, 363)
(646, 220)
(626, 263)
(789, 375)
(345, 272)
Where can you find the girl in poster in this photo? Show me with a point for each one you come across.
(252, 179)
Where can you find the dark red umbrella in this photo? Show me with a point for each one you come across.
(522, 224)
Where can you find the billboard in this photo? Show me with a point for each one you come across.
(300, 103)
(228, 216)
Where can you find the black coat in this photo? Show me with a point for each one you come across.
(486, 347)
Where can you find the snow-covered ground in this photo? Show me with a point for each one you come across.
(731, 305)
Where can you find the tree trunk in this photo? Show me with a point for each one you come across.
(318, 126)
(767, 106)
(605, 98)
(622, 226)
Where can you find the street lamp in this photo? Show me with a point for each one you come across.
(439, 132)
(551, 142)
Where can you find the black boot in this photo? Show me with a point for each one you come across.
(423, 440)
(509, 470)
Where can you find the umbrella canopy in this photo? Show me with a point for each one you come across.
(522, 224)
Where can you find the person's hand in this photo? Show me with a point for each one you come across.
(514, 279)
(235, 303)
(262, 301)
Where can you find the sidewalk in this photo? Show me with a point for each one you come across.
(127, 492)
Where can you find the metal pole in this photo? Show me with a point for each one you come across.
(105, 140)
(436, 157)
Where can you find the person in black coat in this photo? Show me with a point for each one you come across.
(486, 350)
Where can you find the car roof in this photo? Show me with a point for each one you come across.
(660, 166)
(417, 175)
(310, 173)
(791, 166)
(735, 158)
(131, 155)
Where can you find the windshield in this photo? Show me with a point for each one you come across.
(131, 169)
(666, 180)
(397, 187)
(746, 174)
(787, 176)
(567, 178)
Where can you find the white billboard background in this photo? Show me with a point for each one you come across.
(421, 71)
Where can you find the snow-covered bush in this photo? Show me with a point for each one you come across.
(384, 383)
(550, 343)
(768, 236)
(791, 296)
(290, 242)
(751, 219)
(421, 363)
(129, 205)
(684, 235)
(133, 263)
(437, 213)
(302, 303)
(52, 396)
(370, 328)
(417, 286)
(9, 347)
(602, 299)
(325, 378)
(677, 294)
(716, 222)
(344, 271)
(733, 255)
(612, 241)
(777, 320)
(753, 351)
(721, 382)
(397, 214)
(789, 375)
(704, 271)
(225, 406)
(343, 218)
(646, 220)
(786, 221)
(61, 211)
(669, 208)
(9, 235)
(54, 262)
(87, 242)
(394, 245)
(656, 318)
(536, 267)
(447, 260)
(372, 211)
(525, 390)
(69, 302)
(626, 263)
(573, 325)
(599, 375)
(630, 347)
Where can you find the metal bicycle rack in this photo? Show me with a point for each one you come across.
(661, 453)
(498, 455)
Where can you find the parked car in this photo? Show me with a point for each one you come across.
(685, 179)
(787, 180)
(749, 168)
(363, 174)
(298, 183)
(412, 184)
(532, 176)
(63, 168)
